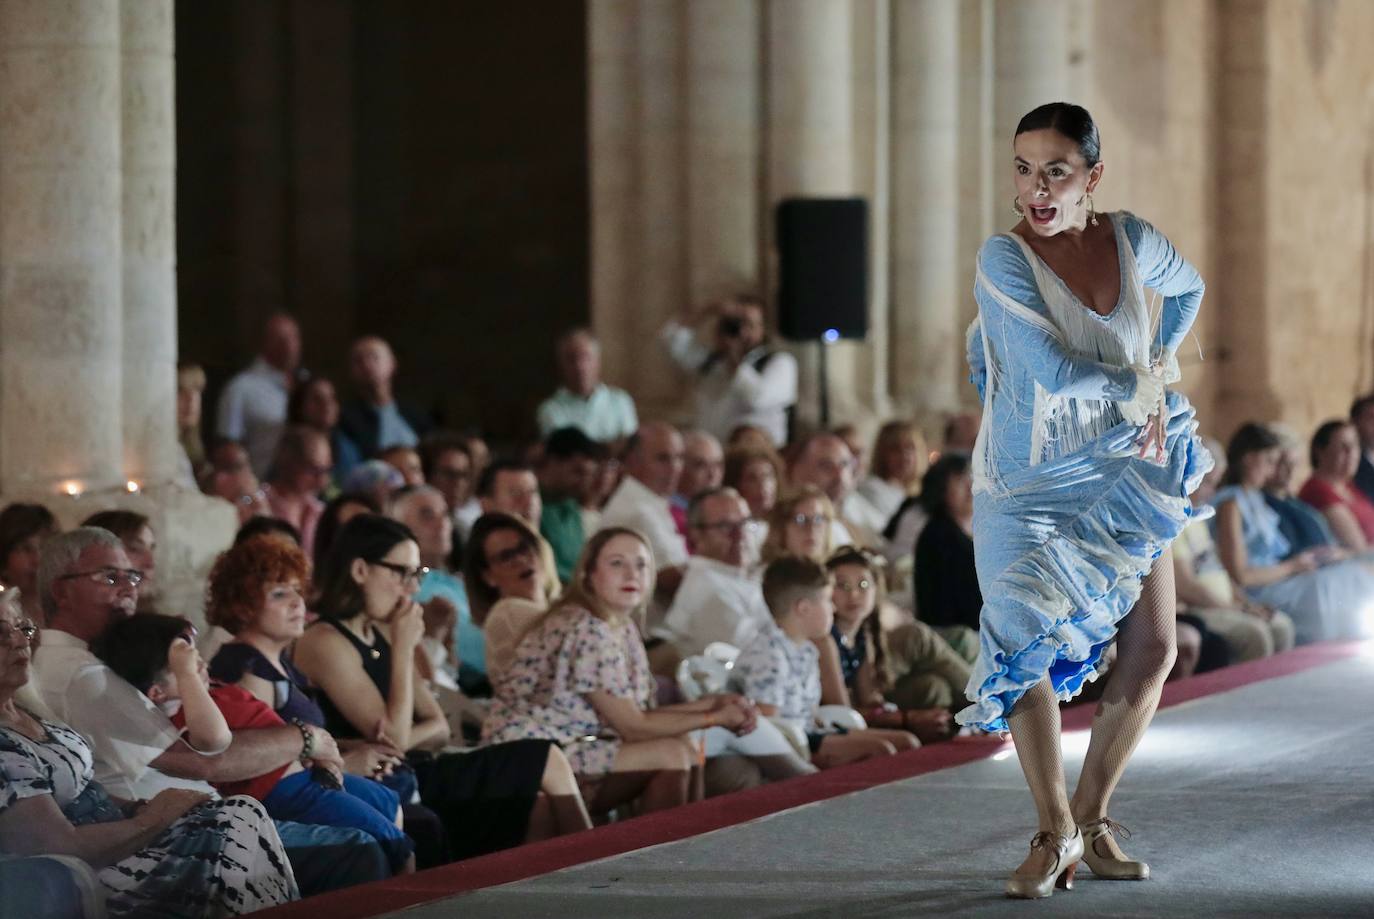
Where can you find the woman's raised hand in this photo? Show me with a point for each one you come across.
(407, 625)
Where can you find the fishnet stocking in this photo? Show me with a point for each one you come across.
(1145, 654)
(1034, 723)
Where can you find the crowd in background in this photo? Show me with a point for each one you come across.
(420, 649)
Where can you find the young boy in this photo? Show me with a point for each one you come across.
(780, 668)
(157, 655)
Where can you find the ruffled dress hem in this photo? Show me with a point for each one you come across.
(1059, 604)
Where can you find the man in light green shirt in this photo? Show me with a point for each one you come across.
(569, 468)
(603, 413)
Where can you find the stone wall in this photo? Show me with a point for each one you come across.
(1243, 129)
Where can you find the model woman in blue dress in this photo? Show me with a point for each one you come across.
(1082, 471)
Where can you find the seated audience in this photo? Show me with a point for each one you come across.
(192, 461)
(899, 461)
(337, 512)
(718, 599)
(178, 854)
(1362, 417)
(603, 413)
(947, 591)
(752, 436)
(300, 474)
(1302, 525)
(86, 583)
(703, 467)
(961, 432)
(155, 654)
(866, 664)
(315, 404)
(135, 532)
(406, 461)
(1335, 457)
(642, 502)
(511, 487)
(361, 655)
(1205, 591)
(24, 528)
(780, 668)
(824, 460)
(373, 419)
(754, 473)
(800, 524)
(503, 569)
(1325, 601)
(231, 478)
(252, 406)
(448, 466)
(580, 677)
(374, 478)
(568, 471)
(252, 595)
(423, 510)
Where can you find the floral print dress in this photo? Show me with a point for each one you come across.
(544, 693)
(222, 858)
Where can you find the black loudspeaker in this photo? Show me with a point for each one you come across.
(823, 268)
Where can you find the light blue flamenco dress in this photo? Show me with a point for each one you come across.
(1067, 518)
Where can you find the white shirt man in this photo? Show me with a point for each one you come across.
(126, 731)
(718, 600)
(653, 466)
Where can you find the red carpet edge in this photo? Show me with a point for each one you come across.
(717, 813)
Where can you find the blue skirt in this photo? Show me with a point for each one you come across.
(1061, 549)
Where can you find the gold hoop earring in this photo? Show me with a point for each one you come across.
(1016, 207)
(1092, 211)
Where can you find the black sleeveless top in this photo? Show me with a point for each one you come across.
(377, 665)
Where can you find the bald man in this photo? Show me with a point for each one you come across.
(252, 406)
(653, 466)
(373, 419)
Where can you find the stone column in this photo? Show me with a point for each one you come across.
(810, 150)
(639, 256)
(149, 233)
(60, 272)
(191, 529)
(1031, 45)
(927, 286)
(723, 91)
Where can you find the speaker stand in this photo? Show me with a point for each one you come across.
(823, 367)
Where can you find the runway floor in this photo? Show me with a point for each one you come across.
(1252, 795)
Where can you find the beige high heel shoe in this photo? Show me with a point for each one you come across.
(1067, 850)
(1103, 863)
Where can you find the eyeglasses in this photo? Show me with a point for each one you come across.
(23, 627)
(861, 584)
(405, 574)
(108, 576)
(810, 520)
(189, 635)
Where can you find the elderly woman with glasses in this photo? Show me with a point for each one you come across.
(176, 855)
(362, 657)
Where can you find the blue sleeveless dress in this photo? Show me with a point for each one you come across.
(1067, 519)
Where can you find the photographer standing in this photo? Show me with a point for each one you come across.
(741, 378)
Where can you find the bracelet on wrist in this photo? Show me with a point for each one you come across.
(307, 739)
